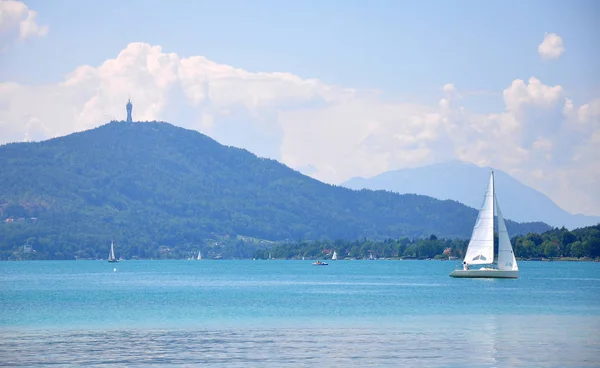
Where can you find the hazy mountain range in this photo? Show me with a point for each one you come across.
(466, 183)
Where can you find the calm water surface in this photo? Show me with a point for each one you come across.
(290, 313)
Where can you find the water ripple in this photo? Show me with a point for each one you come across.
(327, 347)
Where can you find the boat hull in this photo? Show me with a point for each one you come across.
(486, 273)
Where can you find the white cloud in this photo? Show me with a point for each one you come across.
(568, 108)
(535, 94)
(540, 136)
(542, 139)
(551, 47)
(17, 21)
(448, 88)
(590, 112)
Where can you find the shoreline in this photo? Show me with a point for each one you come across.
(558, 259)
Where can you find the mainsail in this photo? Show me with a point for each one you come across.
(481, 245)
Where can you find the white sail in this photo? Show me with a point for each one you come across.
(334, 257)
(111, 254)
(481, 245)
(506, 256)
(199, 256)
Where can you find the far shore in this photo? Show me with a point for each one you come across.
(556, 259)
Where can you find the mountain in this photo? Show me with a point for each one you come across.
(154, 188)
(465, 183)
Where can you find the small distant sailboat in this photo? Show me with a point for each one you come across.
(199, 258)
(481, 246)
(334, 256)
(111, 254)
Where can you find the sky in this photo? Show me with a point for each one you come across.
(334, 89)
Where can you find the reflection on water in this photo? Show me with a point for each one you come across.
(434, 341)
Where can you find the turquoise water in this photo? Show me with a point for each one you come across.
(290, 313)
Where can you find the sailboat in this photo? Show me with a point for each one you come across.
(199, 258)
(111, 254)
(481, 246)
(334, 256)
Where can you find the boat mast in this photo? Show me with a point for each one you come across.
(493, 216)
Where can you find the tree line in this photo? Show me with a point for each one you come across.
(579, 243)
(576, 244)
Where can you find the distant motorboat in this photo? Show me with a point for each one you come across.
(319, 263)
(111, 254)
(480, 250)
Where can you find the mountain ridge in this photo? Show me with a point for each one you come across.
(464, 182)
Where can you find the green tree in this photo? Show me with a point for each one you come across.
(577, 249)
(550, 249)
(592, 247)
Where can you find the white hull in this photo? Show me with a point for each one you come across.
(486, 273)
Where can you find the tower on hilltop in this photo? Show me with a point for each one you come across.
(129, 108)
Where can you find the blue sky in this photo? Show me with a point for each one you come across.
(405, 50)
(402, 47)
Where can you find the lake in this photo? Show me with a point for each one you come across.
(290, 313)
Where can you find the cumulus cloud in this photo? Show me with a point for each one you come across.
(535, 94)
(17, 21)
(590, 112)
(551, 47)
(333, 133)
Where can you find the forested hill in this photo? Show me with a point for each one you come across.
(153, 184)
